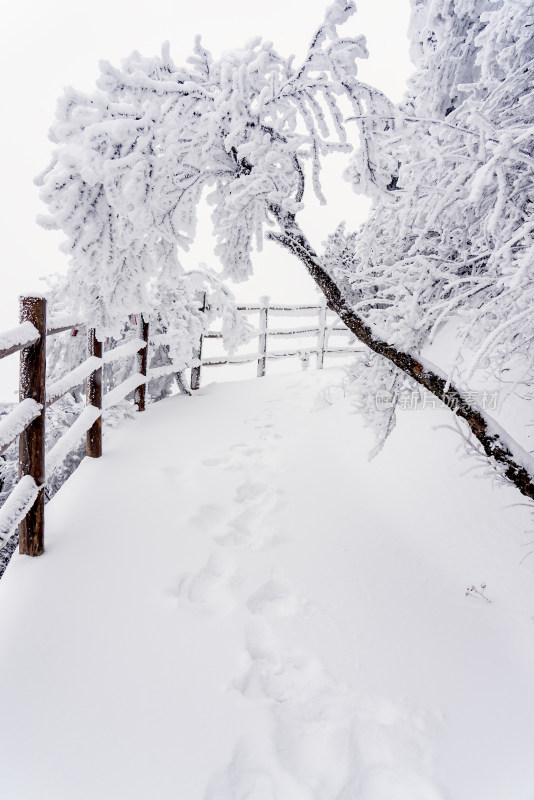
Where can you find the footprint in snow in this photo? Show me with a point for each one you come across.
(230, 462)
(249, 491)
(248, 776)
(268, 435)
(274, 598)
(293, 677)
(207, 516)
(382, 782)
(245, 449)
(242, 538)
(352, 745)
(248, 531)
(212, 586)
(313, 718)
(173, 474)
(215, 462)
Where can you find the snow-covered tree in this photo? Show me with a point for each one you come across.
(448, 249)
(134, 158)
(455, 231)
(108, 188)
(449, 170)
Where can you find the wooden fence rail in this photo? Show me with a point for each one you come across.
(27, 421)
(266, 311)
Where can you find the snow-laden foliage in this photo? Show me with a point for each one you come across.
(374, 388)
(134, 158)
(450, 238)
(443, 46)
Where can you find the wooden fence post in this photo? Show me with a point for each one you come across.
(94, 397)
(142, 363)
(32, 383)
(321, 338)
(195, 371)
(262, 342)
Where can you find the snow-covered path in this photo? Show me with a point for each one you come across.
(235, 605)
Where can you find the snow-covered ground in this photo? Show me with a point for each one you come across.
(235, 605)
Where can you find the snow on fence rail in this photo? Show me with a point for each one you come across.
(319, 348)
(25, 505)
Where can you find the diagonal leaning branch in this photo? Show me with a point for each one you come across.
(485, 430)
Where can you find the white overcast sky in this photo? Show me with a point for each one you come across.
(48, 44)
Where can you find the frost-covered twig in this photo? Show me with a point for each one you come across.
(477, 592)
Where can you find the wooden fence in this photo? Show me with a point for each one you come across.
(25, 505)
(328, 323)
(26, 422)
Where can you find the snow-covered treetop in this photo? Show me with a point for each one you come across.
(134, 158)
(451, 236)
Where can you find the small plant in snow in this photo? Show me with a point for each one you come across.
(479, 593)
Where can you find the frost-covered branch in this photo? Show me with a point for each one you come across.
(515, 464)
